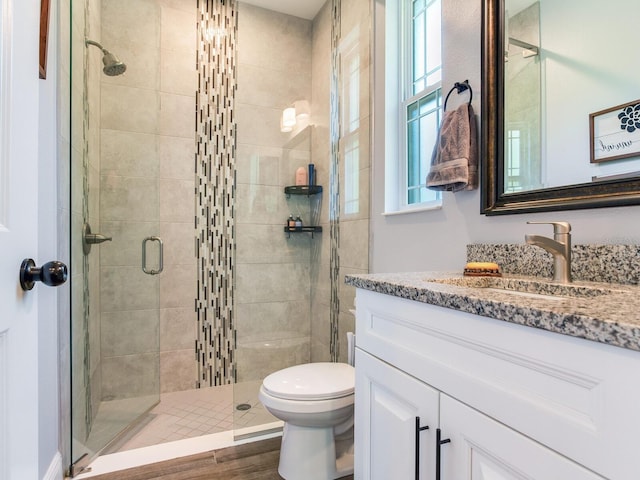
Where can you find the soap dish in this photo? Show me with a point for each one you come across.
(482, 269)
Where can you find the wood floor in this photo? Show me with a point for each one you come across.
(251, 461)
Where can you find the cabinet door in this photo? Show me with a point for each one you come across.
(483, 449)
(387, 404)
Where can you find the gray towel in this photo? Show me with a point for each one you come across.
(454, 163)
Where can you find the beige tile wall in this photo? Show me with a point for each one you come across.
(147, 185)
(176, 150)
(85, 167)
(146, 178)
(320, 291)
(273, 271)
(354, 227)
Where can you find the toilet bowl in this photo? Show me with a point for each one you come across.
(315, 402)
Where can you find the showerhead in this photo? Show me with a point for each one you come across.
(112, 66)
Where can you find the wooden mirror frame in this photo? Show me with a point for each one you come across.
(605, 193)
(44, 37)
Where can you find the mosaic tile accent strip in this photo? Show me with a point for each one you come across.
(593, 263)
(334, 182)
(215, 169)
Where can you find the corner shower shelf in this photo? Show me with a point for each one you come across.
(307, 190)
(304, 229)
(303, 190)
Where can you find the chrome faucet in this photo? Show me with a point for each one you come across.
(560, 247)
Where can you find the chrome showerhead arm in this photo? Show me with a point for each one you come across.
(96, 44)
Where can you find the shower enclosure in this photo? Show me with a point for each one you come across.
(183, 280)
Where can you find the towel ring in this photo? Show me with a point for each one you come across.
(460, 87)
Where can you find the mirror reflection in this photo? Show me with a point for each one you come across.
(565, 60)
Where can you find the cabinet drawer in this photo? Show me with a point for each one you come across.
(578, 397)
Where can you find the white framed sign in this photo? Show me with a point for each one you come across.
(615, 133)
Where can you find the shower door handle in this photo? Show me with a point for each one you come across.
(144, 255)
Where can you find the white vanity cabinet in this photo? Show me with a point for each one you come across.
(393, 410)
(514, 402)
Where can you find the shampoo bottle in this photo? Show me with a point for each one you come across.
(301, 176)
(312, 174)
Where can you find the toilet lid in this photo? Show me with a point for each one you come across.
(311, 381)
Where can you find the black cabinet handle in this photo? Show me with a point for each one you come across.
(418, 430)
(52, 274)
(439, 442)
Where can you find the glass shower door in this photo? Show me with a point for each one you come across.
(116, 248)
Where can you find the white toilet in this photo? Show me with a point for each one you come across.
(315, 401)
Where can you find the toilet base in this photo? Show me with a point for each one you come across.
(309, 453)
(344, 453)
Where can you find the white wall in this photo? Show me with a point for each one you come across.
(574, 65)
(437, 240)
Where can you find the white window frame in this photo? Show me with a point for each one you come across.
(398, 96)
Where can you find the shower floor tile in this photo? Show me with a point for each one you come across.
(192, 413)
(185, 414)
(247, 392)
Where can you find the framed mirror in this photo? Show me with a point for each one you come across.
(557, 74)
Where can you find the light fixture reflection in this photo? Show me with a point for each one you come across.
(289, 117)
(296, 116)
(284, 129)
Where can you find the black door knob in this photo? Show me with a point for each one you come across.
(51, 273)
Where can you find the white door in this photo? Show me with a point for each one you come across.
(483, 449)
(19, 21)
(387, 436)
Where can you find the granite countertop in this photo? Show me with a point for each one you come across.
(602, 312)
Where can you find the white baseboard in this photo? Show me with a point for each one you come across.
(55, 470)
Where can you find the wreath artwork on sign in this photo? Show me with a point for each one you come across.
(630, 118)
(615, 133)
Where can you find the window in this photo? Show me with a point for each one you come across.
(422, 121)
(521, 162)
(350, 120)
(413, 101)
(422, 98)
(512, 170)
(424, 39)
